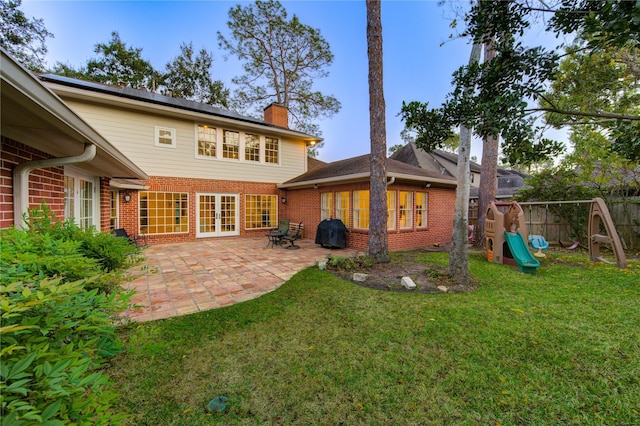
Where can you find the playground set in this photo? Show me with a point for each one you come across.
(506, 236)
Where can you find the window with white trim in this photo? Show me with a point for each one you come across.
(326, 205)
(406, 209)
(361, 209)
(113, 210)
(251, 147)
(343, 206)
(391, 209)
(207, 143)
(421, 209)
(165, 137)
(81, 198)
(271, 150)
(164, 212)
(260, 211)
(231, 145)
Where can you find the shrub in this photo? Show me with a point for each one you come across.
(60, 291)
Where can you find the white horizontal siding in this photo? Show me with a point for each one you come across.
(133, 133)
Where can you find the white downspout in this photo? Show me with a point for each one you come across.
(21, 179)
(391, 180)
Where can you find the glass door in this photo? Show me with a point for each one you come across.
(217, 215)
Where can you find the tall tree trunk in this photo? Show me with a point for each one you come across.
(378, 245)
(489, 172)
(459, 257)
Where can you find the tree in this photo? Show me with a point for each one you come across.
(120, 65)
(189, 77)
(21, 37)
(282, 57)
(378, 244)
(489, 168)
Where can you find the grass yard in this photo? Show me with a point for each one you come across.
(560, 347)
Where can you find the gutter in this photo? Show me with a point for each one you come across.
(364, 177)
(21, 179)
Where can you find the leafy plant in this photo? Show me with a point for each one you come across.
(59, 294)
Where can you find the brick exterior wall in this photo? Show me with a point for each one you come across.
(105, 204)
(128, 212)
(303, 205)
(44, 184)
(277, 114)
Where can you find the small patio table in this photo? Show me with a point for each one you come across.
(275, 238)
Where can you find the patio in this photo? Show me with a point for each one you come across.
(180, 279)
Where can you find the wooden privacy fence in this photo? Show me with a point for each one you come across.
(566, 222)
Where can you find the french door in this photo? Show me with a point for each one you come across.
(217, 215)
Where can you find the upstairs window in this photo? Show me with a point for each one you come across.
(207, 141)
(165, 137)
(231, 145)
(271, 150)
(251, 147)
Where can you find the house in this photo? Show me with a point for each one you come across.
(176, 170)
(509, 181)
(49, 153)
(419, 202)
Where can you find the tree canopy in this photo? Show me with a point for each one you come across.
(510, 86)
(118, 64)
(282, 58)
(189, 77)
(22, 37)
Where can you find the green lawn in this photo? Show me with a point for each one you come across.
(560, 347)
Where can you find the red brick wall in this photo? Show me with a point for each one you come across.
(105, 204)
(277, 114)
(304, 205)
(129, 211)
(44, 184)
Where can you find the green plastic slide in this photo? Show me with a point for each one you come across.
(521, 254)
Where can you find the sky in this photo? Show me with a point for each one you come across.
(418, 55)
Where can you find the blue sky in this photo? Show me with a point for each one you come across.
(416, 66)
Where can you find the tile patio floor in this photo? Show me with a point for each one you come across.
(183, 278)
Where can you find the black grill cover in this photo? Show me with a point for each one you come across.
(332, 233)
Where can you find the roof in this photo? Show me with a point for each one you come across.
(35, 116)
(357, 169)
(436, 160)
(167, 101)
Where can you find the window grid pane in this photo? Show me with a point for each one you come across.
(69, 199)
(406, 209)
(271, 150)
(164, 212)
(421, 209)
(251, 147)
(326, 205)
(231, 144)
(391, 209)
(361, 209)
(260, 211)
(113, 210)
(342, 207)
(206, 141)
(86, 204)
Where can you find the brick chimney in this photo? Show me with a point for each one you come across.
(277, 114)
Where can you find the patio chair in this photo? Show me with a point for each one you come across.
(138, 240)
(275, 237)
(293, 235)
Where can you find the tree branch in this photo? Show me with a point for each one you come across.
(611, 115)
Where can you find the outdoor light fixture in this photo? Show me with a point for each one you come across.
(315, 186)
(127, 197)
(428, 185)
(284, 200)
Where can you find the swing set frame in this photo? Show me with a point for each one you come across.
(599, 220)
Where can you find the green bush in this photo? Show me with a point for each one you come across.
(59, 294)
